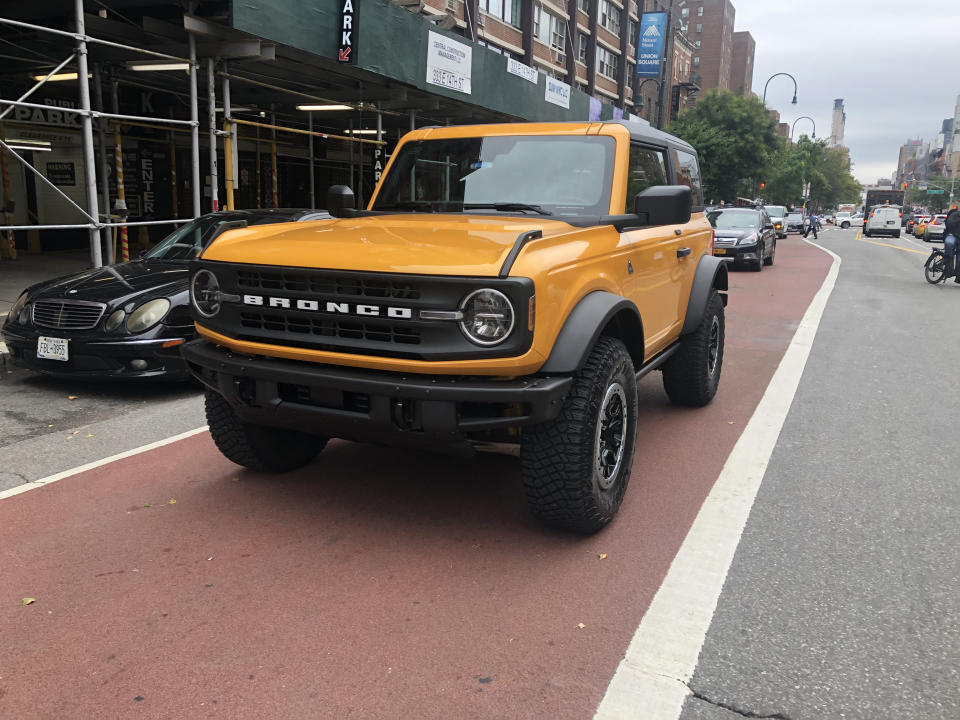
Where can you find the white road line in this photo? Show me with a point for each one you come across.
(98, 463)
(651, 681)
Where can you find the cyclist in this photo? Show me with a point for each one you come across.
(951, 240)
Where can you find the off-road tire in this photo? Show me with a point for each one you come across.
(692, 375)
(773, 252)
(257, 447)
(558, 459)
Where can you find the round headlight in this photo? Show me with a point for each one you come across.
(115, 320)
(147, 315)
(488, 317)
(205, 293)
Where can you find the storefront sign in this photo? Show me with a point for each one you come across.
(348, 31)
(525, 71)
(380, 156)
(449, 63)
(62, 173)
(557, 92)
(650, 44)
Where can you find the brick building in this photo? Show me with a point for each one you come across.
(741, 68)
(709, 24)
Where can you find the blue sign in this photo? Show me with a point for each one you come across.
(650, 44)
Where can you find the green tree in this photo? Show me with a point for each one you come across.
(735, 137)
(811, 161)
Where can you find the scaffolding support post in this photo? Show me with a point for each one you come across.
(275, 186)
(89, 162)
(313, 198)
(8, 246)
(228, 169)
(194, 128)
(350, 133)
(105, 240)
(212, 122)
(413, 120)
(121, 204)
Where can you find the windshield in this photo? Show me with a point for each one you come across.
(775, 211)
(723, 220)
(556, 175)
(794, 217)
(186, 242)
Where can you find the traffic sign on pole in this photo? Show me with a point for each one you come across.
(934, 191)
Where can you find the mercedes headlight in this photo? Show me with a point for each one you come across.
(488, 317)
(748, 240)
(148, 315)
(115, 320)
(20, 312)
(205, 293)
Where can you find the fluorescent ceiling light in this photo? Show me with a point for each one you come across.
(25, 141)
(324, 107)
(59, 77)
(237, 108)
(361, 132)
(29, 147)
(147, 67)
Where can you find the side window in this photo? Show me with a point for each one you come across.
(688, 173)
(646, 169)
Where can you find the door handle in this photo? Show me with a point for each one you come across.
(683, 252)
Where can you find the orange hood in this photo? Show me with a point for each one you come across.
(417, 243)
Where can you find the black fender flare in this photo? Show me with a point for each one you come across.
(583, 327)
(711, 275)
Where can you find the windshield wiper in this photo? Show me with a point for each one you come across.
(415, 205)
(507, 207)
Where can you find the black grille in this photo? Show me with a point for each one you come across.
(356, 287)
(330, 328)
(67, 314)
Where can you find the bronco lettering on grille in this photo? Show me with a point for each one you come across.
(336, 308)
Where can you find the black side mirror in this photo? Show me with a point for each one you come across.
(768, 226)
(339, 199)
(664, 204)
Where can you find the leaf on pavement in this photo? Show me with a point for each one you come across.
(29, 601)
(581, 626)
(602, 556)
(148, 504)
(171, 501)
(71, 397)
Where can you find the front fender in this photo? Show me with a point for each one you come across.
(711, 275)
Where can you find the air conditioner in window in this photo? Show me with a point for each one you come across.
(452, 5)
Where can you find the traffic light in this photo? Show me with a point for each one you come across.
(762, 185)
(903, 186)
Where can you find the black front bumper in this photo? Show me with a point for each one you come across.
(737, 253)
(372, 405)
(103, 358)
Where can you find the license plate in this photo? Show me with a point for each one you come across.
(51, 348)
(719, 251)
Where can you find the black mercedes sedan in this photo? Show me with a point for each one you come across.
(743, 235)
(128, 320)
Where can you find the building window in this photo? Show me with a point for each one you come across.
(696, 61)
(697, 44)
(632, 32)
(506, 10)
(699, 12)
(583, 5)
(582, 41)
(699, 28)
(607, 62)
(685, 13)
(550, 30)
(609, 15)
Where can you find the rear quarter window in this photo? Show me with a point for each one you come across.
(688, 173)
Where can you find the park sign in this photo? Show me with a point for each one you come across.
(347, 30)
(934, 191)
(650, 44)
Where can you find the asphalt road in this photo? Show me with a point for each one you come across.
(843, 600)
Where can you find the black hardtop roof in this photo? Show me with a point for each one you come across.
(644, 132)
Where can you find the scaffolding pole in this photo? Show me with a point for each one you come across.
(228, 168)
(194, 128)
(90, 169)
(9, 245)
(275, 186)
(212, 122)
(121, 203)
(105, 239)
(313, 198)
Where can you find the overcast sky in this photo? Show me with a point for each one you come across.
(895, 64)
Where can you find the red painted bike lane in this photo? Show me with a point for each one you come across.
(375, 583)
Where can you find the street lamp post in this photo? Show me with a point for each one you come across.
(804, 117)
(794, 101)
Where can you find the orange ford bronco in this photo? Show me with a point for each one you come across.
(505, 288)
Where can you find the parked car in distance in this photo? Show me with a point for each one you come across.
(935, 229)
(778, 215)
(883, 220)
(796, 222)
(744, 236)
(128, 320)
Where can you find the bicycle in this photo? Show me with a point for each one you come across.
(938, 267)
